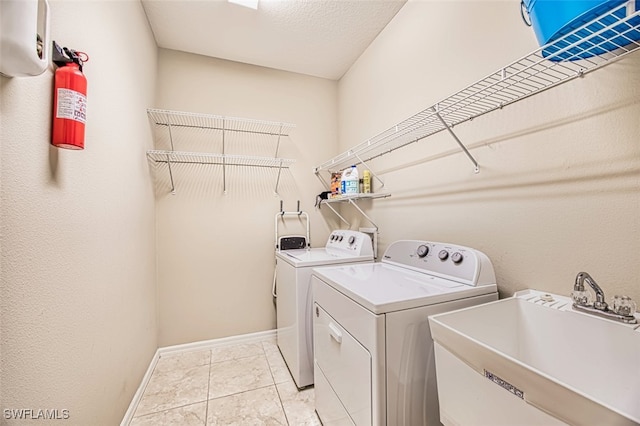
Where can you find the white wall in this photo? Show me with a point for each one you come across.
(215, 251)
(559, 187)
(78, 269)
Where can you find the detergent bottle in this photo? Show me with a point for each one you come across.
(350, 181)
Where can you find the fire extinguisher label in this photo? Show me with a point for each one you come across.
(72, 105)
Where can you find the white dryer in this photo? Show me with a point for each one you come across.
(294, 300)
(374, 360)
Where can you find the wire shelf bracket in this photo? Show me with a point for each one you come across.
(173, 186)
(351, 199)
(339, 215)
(455, 137)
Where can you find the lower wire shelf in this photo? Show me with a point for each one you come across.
(181, 157)
(355, 197)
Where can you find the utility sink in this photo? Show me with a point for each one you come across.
(532, 359)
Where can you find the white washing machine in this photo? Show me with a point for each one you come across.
(294, 300)
(374, 360)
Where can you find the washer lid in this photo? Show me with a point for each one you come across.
(383, 288)
(318, 257)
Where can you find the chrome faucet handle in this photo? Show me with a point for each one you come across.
(582, 297)
(623, 305)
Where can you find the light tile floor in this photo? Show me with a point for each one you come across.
(242, 384)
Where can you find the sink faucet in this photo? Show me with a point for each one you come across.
(623, 307)
(583, 277)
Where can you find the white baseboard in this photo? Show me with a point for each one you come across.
(216, 343)
(187, 347)
(138, 395)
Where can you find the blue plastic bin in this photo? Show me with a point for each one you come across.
(553, 19)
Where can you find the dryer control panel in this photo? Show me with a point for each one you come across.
(353, 242)
(450, 261)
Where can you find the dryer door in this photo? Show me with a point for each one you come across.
(346, 366)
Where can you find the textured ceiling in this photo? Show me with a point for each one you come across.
(321, 38)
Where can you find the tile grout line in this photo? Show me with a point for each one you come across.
(286, 418)
(206, 410)
(169, 409)
(275, 385)
(239, 392)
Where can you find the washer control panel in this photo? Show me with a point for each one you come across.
(458, 263)
(353, 242)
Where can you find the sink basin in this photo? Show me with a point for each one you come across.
(532, 359)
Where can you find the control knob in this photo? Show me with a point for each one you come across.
(422, 250)
(457, 257)
(443, 255)
(352, 239)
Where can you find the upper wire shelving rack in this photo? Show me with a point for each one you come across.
(171, 120)
(577, 53)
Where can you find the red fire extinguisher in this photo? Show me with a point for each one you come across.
(69, 98)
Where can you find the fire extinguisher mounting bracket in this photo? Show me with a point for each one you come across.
(64, 55)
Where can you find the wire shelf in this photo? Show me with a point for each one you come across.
(189, 120)
(178, 157)
(589, 47)
(163, 117)
(355, 197)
